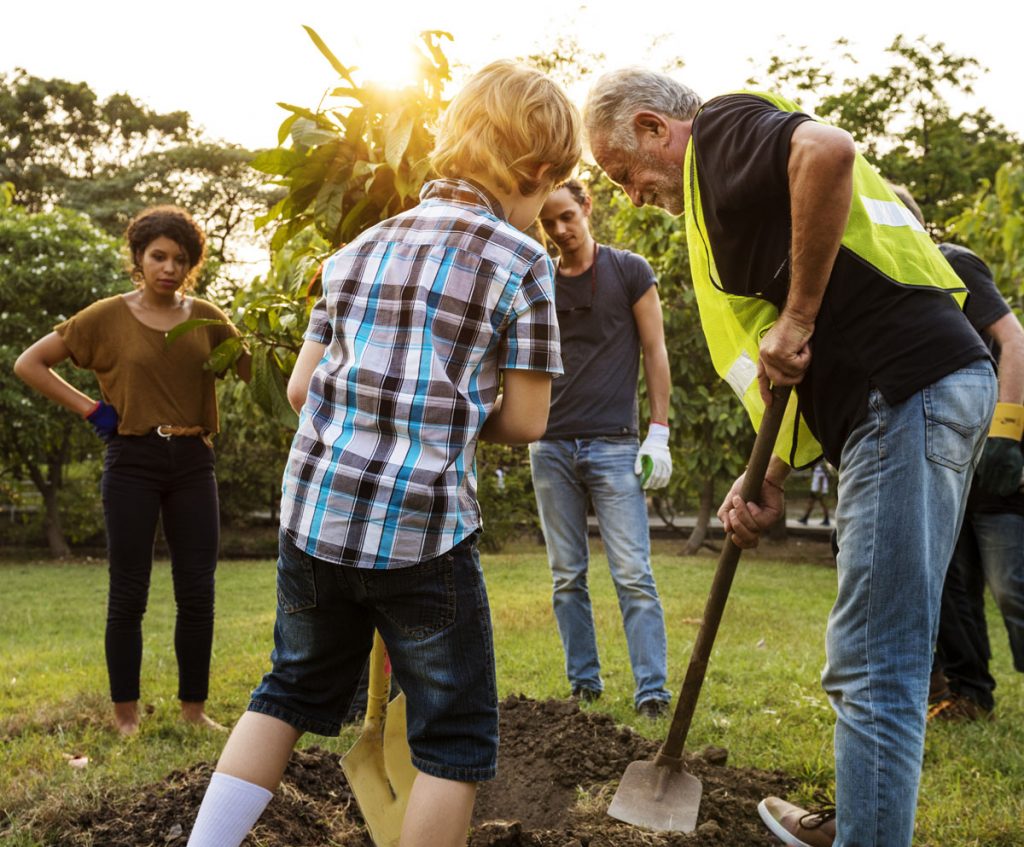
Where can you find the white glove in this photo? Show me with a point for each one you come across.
(655, 450)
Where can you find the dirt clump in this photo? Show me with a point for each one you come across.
(558, 769)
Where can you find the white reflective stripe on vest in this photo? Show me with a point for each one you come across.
(890, 213)
(742, 374)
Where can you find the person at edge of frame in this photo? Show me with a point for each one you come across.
(809, 272)
(990, 548)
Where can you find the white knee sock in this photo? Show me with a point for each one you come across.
(230, 808)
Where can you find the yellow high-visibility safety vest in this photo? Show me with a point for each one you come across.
(881, 231)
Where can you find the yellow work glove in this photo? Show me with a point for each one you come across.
(999, 471)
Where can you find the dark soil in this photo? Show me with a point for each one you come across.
(558, 771)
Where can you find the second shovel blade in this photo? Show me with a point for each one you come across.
(657, 797)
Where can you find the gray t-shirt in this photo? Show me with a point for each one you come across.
(600, 347)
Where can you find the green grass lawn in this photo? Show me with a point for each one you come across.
(761, 700)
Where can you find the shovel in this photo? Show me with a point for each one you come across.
(379, 766)
(660, 795)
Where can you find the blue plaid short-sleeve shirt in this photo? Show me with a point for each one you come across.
(419, 315)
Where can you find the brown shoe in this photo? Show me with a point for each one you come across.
(797, 827)
(957, 708)
(938, 687)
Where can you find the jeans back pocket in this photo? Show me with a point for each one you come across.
(958, 409)
(420, 599)
(296, 582)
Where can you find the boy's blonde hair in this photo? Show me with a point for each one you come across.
(508, 120)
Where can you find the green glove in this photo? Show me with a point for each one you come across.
(999, 471)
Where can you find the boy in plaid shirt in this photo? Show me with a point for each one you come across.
(397, 379)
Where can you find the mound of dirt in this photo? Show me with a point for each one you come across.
(558, 771)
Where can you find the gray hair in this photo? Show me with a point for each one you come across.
(618, 95)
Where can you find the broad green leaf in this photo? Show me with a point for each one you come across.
(318, 118)
(349, 226)
(269, 388)
(279, 160)
(329, 204)
(187, 326)
(397, 131)
(261, 221)
(225, 354)
(289, 230)
(310, 133)
(285, 129)
(342, 70)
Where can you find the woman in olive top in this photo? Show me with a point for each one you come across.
(157, 413)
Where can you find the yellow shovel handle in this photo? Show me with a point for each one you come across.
(377, 688)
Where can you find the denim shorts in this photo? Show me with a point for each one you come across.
(435, 620)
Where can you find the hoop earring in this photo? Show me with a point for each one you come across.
(137, 276)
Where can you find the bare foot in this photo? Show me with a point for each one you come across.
(126, 717)
(195, 713)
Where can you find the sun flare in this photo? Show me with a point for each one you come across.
(393, 67)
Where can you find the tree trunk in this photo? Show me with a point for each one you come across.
(700, 529)
(48, 486)
(54, 529)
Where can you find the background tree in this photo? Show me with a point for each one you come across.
(54, 133)
(993, 226)
(52, 264)
(60, 145)
(902, 118)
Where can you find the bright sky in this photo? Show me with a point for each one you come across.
(229, 62)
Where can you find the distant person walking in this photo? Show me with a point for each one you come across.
(819, 491)
(157, 411)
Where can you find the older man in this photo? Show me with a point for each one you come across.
(809, 272)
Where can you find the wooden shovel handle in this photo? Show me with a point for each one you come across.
(672, 750)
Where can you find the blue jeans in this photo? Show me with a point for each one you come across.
(990, 549)
(565, 473)
(1000, 541)
(436, 623)
(904, 476)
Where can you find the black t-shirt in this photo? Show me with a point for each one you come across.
(600, 347)
(984, 307)
(871, 332)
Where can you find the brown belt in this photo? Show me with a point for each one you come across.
(169, 431)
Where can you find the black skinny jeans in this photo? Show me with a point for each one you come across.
(146, 477)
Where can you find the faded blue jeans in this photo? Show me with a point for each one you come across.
(904, 476)
(990, 549)
(1000, 540)
(565, 473)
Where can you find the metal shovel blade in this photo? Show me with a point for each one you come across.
(397, 757)
(657, 797)
(378, 766)
(382, 809)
